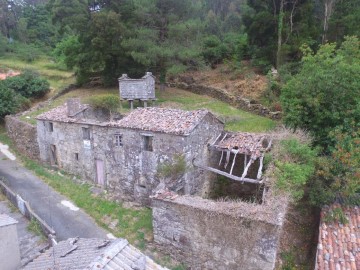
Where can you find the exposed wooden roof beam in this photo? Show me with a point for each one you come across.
(233, 177)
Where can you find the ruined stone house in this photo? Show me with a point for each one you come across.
(123, 155)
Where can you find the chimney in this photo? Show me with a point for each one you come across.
(73, 106)
(9, 244)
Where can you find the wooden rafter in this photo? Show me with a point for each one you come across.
(233, 177)
(260, 168)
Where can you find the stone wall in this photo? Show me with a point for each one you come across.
(24, 136)
(143, 88)
(220, 94)
(205, 234)
(129, 171)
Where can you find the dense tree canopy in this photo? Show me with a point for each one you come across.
(325, 94)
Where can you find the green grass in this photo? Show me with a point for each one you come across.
(234, 119)
(57, 78)
(35, 227)
(133, 224)
(130, 221)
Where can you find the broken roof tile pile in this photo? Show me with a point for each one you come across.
(76, 254)
(60, 114)
(339, 244)
(254, 145)
(165, 120)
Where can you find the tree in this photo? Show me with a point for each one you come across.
(338, 175)
(344, 20)
(277, 29)
(166, 38)
(325, 94)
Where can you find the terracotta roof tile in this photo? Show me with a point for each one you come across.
(246, 143)
(173, 121)
(339, 244)
(60, 114)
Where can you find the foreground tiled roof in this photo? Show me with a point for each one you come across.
(246, 143)
(165, 120)
(60, 114)
(76, 254)
(339, 244)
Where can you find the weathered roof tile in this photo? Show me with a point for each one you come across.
(339, 244)
(76, 254)
(165, 120)
(153, 119)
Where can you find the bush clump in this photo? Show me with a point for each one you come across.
(28, 85)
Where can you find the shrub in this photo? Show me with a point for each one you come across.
(214, 50)
(28, 84)
(9, 101)
(338, 175)
(294, 167)
(107, 102)
(173, 169)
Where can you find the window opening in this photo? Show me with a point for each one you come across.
(51, 127)
(148, 143)
(86, 133)
(118, 140)
(76, 156)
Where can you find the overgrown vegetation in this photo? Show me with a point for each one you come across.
(35, 227)
(28, 84)
(173, 169)
(336, 214)
(108, 102)
(294, 166)
(323, 98)
(15, 91)
(168, 37)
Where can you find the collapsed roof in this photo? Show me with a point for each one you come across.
(252, 146)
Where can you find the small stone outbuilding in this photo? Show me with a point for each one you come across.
(124, 156)
(137, 89)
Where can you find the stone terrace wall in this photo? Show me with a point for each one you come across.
(24, 136)
(220, 94)
(206, 234)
